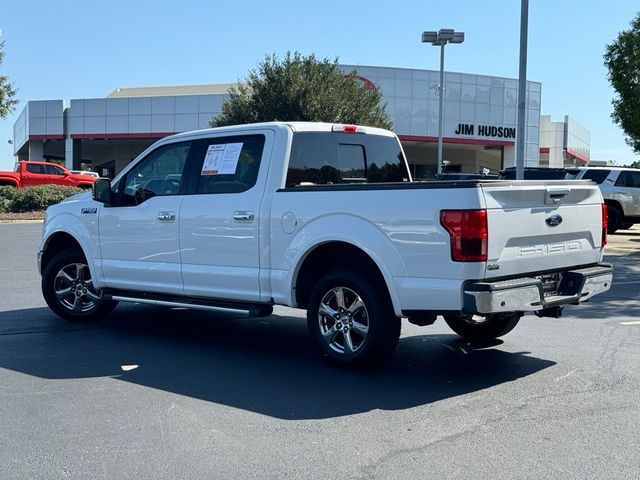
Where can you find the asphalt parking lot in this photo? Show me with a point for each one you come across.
(155, 393)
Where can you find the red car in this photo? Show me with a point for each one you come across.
(30, 174)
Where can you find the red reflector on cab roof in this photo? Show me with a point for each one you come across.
(347, 128)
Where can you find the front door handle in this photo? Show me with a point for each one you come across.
(243, 216)
(167, 216)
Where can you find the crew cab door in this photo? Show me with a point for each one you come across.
(34, 174)
(139, 237)
(57, 175)
(220, 235)
(627, 192)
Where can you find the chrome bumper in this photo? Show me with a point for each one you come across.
(527, 294)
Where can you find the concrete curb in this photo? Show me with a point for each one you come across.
(20, 221)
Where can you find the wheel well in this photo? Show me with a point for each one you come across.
(330, 256)
(7, 183)
(614, 204)
(85, 186)
(57, 243)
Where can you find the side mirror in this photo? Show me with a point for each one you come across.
(102, 191)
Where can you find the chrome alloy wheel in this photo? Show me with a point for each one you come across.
(74, 288)
(344, 320)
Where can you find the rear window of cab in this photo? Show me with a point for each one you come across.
(327, 158)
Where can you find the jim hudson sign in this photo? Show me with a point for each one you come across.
(485, 131)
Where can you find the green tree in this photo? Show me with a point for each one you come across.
(622, 58)
(299, 88)
(7, 91)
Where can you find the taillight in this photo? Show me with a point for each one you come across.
(605, 225)
(469, 234)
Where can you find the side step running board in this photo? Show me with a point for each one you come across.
(254, 309)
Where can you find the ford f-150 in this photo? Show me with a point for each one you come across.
(323, 217)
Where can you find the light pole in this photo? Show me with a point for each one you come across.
(441, 38)
(522, 88)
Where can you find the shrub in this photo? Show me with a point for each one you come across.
(31, 199)
(7, 194)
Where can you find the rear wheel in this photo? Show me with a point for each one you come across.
(614, 219)
(68, 289)
(351, 319)
(483, 328)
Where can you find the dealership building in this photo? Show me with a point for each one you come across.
(479, 128)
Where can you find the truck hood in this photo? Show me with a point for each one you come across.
(78, 197)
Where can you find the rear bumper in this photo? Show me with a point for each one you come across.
(527, 294)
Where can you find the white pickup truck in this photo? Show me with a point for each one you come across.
(326, 218)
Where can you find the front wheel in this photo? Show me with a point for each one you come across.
(68, 289)
(351, 319)
(482, 328)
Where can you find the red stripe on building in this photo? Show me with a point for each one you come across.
(464, 141)
(46, 137)
(579, 156)
(544, 149)
(114, 136)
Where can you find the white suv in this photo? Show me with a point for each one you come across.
(620, 187)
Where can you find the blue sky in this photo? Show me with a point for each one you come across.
(72, 49)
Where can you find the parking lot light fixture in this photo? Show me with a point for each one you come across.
(440, 39)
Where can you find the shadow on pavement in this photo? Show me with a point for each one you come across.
(621, 300)
(265, 365)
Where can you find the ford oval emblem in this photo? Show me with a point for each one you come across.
(554, 220)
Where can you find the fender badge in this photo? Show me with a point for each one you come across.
(554, 220)
(89, 211)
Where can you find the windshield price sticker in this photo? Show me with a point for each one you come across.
(221, 159)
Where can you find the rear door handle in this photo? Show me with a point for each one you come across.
(243, 216)
(167, 217)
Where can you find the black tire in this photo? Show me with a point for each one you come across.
(614, 219)
(68, 272)
(372, 328)
(626, 226)
(482, 329)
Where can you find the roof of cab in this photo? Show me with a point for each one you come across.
(293, 126)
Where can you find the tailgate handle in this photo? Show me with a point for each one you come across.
(554, 195)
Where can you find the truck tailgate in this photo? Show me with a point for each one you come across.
(540, 226)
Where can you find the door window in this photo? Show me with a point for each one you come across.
(159, 173)
(53, 170)
(319, 158)
(35, 168)
(230, 164)
(597, 176)
(629, 179)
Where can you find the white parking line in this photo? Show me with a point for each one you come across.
(633, 322)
